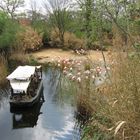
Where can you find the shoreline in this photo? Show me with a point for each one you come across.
(48, 55)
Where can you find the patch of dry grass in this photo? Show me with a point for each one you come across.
(19, 56)
(70, 40)
(3, 71)
(116, 105)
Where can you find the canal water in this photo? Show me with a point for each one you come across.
(51, 119)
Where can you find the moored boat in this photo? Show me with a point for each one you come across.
(26, 85)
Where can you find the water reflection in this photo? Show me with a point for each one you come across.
(23, 118)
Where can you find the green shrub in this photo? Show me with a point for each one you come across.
(46, 39)
(40, 26)
(8, 30)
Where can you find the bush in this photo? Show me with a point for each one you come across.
(8, 30)
(29, 40)
(42, 27)
(46, 39)
(39, 25)
(70, 41)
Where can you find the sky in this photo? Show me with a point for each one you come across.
(39, 5)
(28, 4)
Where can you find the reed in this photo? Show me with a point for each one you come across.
(19, 56)
(117, 103)
(3, 71)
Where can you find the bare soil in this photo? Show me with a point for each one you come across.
(48, 55)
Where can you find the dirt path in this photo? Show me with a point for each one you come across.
(47, 55)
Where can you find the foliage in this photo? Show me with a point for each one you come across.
(32, 61)
(10, 6)
(70, 41)
(42, 28)
(46, 39)
(29, 40)
(8, 30)
(87, 8)
(75, 24)
(58, 16)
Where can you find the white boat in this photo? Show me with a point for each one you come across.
(26, 85)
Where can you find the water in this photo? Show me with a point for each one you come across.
(53, 119)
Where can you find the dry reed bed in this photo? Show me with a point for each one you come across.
(3, 70)
(116, 105)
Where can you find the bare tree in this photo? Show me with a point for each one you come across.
(58, 14)
(34, 12)
(11, 6)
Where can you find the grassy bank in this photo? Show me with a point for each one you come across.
(116, 108)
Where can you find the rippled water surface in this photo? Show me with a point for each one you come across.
(50, 120)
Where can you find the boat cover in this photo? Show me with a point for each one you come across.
(22, 73)
(20, 78)
(19, 86)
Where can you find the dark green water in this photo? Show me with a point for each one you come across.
(53, 119)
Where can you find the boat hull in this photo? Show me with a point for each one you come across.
(29, 102)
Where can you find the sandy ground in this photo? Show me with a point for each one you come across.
(47, 55)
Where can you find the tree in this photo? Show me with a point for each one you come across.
(11, 6)
(88, 14)
(34, 13)
(120, 14)
(58, 15)
(87, 8)
(8, 30)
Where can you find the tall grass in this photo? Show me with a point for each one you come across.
(117, 104)
(19, 57)
(3, 70)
